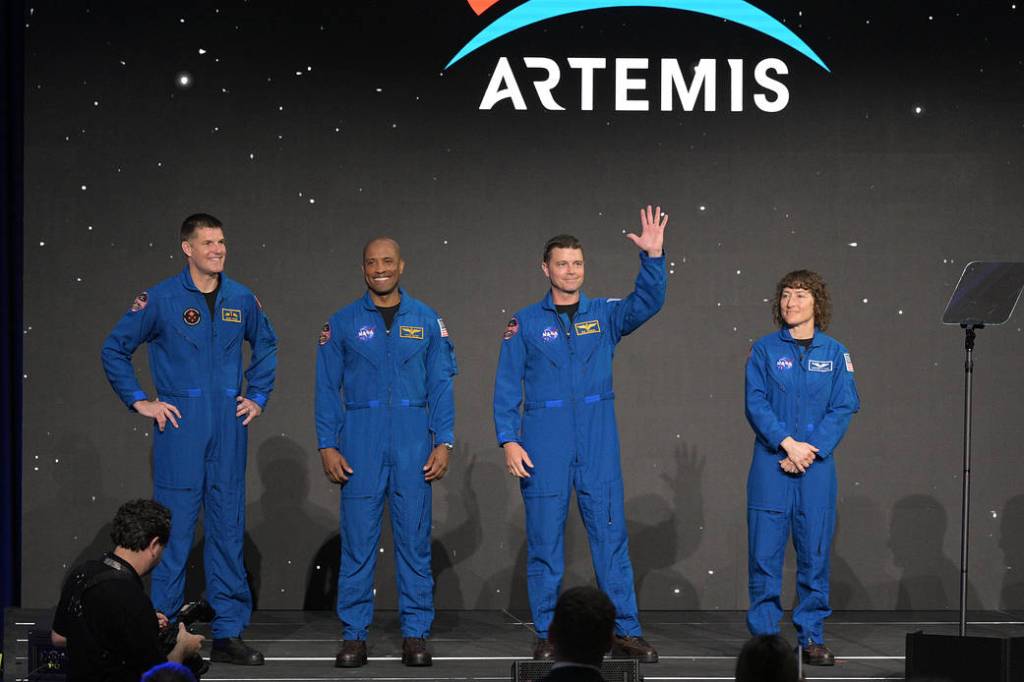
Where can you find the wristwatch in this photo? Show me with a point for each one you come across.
(448, 445)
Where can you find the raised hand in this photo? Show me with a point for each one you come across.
(652, 234)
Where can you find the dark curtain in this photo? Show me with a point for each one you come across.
(11, 186)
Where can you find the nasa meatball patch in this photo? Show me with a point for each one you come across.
(511, 329)
(140, 302)
(325, 334)
(191, 317)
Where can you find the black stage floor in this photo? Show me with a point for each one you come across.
(482, 645)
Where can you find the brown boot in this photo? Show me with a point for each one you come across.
(543, 650)
(634, 647)
(352, 654)
(818, 654)
(415, 652)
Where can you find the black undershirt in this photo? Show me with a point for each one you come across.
(806, 343)
(569, 310)
(388, 314)
(211, 298)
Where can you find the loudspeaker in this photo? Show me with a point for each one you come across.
(964, 659)
(612, 669)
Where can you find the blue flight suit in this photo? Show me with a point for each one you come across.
(809, 395)
(384, 399)
(196, 364)
(561, 376)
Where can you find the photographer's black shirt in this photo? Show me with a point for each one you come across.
(109, 623)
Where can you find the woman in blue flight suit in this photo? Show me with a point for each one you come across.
(800, 396)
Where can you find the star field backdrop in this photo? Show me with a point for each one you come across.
(308, 127)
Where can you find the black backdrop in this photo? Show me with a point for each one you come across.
(311, 126)
(12, 66)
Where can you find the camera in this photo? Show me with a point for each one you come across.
(198, 611)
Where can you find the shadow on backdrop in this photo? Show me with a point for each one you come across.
(662, 533)
(77, 521)
(506, 588)
(459, 543)
(1011, 541)
(860, 527)
(929, 579)
(286, 528)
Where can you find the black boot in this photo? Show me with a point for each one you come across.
(352, 654)
(234, 650)
(415, 652)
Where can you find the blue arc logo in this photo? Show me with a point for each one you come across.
(737, 11)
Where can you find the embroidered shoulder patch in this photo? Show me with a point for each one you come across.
(849, 362)
(140, 302)
(511, 329)
(444, 329)
(325, 333)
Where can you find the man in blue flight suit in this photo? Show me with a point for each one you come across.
(194, 324)
(800, 396)
(385, 417)
(555, 420)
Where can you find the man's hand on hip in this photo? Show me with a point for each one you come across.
(158, 411)
(248, 408)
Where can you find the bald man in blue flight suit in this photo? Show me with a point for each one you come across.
(800, 397)
(194, 324)
(555, 419)
(385, 420)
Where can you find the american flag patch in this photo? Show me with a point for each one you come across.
(849, 362)
(444, 329)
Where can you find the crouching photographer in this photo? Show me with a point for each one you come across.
(106, 620)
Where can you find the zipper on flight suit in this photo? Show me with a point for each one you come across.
(572, 384)
(389, 454)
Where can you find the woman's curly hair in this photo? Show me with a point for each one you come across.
(812, 282)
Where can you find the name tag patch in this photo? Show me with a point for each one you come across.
(588, 327)
(819, 365)
(231, 315)
(410, 332)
